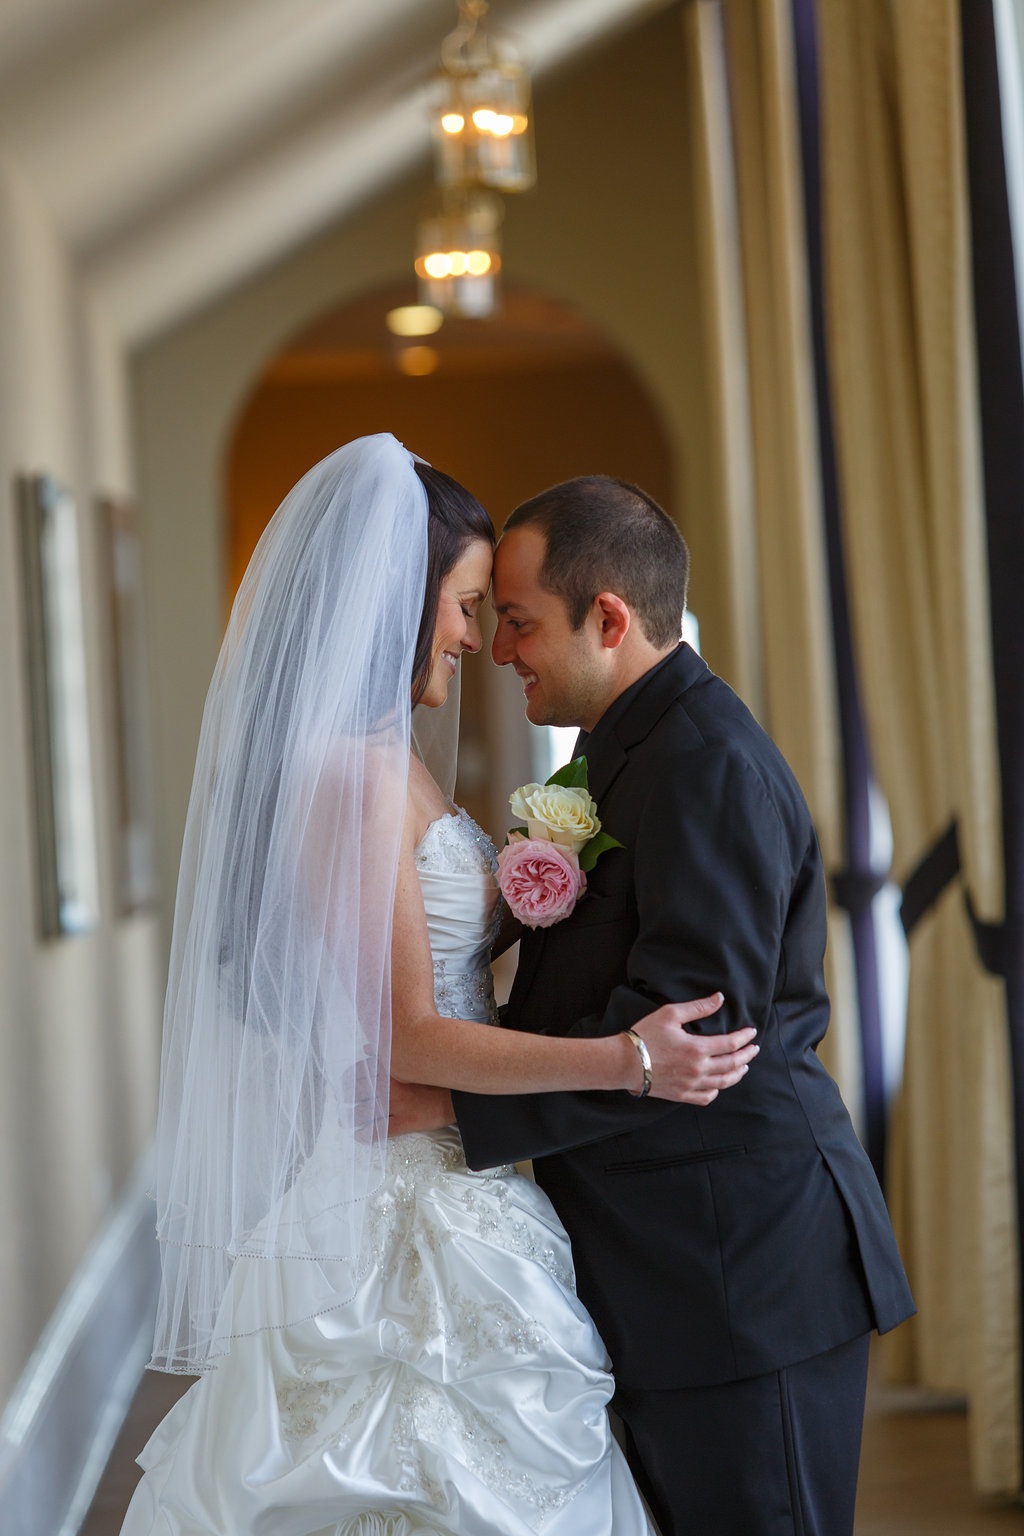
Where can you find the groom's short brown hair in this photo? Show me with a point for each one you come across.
(605, 535)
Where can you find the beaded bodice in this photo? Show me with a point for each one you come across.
(457, 868)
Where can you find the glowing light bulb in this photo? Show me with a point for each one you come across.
(414, 320)
(458, 263)
(477, 263)
(482, 127)
(437, 264)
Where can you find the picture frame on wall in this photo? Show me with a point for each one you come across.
(135, 863)
(64, 813)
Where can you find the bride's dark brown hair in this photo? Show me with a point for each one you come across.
(455, 519)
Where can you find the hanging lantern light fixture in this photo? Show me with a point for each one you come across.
(458, 252)
(483, 141)
(483, 130)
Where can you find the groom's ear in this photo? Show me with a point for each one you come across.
(614, 618)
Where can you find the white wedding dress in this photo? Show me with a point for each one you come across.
(461, 1392)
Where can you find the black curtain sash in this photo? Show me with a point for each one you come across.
(999, 945)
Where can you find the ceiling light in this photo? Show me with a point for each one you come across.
(458, 253)
(414, 320)
(482, 119)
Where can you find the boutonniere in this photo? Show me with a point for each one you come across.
(542, 869)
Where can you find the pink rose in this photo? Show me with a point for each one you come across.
(541, 881)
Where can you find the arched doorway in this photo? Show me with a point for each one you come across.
(533, 396)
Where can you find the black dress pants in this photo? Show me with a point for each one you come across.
(774, 1455)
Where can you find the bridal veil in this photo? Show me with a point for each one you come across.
(277, 1018)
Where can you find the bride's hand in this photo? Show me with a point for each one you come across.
(687, 1068)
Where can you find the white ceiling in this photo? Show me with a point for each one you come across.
(180, 145)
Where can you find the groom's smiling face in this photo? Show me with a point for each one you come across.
(563, 677)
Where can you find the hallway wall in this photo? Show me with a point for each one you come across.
(78, 1017)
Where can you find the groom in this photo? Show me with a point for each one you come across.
(734, 1257)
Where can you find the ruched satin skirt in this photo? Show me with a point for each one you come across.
(461, 1392)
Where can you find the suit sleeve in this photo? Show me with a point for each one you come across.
(712, 876)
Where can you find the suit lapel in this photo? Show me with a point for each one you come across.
(607, 752)
(531, 949)
(608, 746)
(606, 759)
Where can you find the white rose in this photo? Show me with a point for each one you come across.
(567, 817)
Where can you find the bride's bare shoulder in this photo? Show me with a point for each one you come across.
(424, 801)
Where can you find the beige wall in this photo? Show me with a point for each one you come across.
(78, 1017)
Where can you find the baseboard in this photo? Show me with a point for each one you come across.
(61, 1423)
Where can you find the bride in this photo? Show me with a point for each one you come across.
(386, 1342)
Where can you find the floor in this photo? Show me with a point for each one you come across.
(914, 1477)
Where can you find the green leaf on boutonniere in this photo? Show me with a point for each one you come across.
(598, 844)
(572, 776)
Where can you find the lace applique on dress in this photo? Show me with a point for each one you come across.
(455, 846)
(455, 843)
(428, 1411)
(303, 1403)
(464, 994)
(415, 1234)
(419, 1161)
(423, 1412)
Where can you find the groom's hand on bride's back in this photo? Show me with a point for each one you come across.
(693, 1068)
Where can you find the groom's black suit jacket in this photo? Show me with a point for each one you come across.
(710, 1243)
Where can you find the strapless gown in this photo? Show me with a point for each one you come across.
(461, 1392)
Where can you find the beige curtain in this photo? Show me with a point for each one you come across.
(754, 290)
(904, 394)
